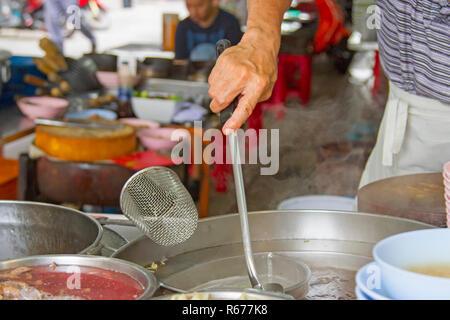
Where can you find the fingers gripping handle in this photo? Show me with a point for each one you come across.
(226, 113)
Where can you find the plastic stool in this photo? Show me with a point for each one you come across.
(376, 74)
(294, 78)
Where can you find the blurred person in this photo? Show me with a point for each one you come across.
(54, 11)
(195, 40)
(197, 35)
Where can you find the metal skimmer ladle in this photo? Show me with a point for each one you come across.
(240, 192)
(160, 206)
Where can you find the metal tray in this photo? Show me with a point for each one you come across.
(333, 244)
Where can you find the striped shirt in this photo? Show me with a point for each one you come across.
(414, 44)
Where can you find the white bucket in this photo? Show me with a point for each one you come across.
(318, 202)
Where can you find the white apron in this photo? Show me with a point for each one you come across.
(414, 137)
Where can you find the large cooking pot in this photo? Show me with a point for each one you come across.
(33, 228)
(333, 244)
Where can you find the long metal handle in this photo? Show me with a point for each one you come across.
(242, 207)
(224, 115)
(115, 222)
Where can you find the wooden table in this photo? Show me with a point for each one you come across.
(419, 197)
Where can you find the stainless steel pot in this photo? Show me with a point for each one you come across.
(333, 244)
(33, 228)
(228, 294)
(144, 277)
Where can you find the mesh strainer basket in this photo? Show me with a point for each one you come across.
(160, 206)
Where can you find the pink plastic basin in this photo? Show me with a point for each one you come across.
(42, 107)
(159, 139)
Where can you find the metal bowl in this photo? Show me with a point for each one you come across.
(232, 294)
(231, 273)
(144, 277)
(33, 228)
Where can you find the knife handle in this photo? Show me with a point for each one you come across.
(35, 81)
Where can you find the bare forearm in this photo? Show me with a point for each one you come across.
(249, 69)
(264, 22)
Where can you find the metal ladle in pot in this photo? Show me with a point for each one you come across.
(240, 192)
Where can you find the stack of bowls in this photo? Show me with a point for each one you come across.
(446, 174)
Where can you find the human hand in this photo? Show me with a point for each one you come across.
(248, 69)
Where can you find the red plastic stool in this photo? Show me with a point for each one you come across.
(294, 78)
(376, 74)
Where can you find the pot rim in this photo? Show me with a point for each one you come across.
(94, 245)
(80, 260)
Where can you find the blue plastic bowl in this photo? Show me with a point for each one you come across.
(102, 113)
(416, 248)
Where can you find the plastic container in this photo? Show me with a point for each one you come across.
(140, 123)
(231, 273)
(318, 202)
(110, 80)
(446, 174)
(159, 110)
(125, 91)
(159, 139)
(42, 107)
(20, 66)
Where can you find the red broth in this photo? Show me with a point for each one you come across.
(88, 283)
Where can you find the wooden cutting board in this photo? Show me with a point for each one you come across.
(85, 145)
(419, 197)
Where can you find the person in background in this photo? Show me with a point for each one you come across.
(197, 35)
(54, 11)
(414, 42)
(195, 40)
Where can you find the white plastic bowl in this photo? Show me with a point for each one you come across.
(159, 110)
(416, 248)
(318, 202)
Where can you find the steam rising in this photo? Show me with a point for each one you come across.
(306, 166)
